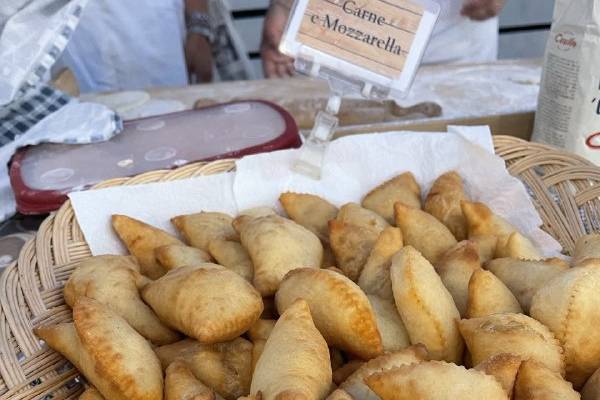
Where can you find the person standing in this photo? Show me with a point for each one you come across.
(128, 45)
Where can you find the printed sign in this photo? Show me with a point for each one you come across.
(374, 34)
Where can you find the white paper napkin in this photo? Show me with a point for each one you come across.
(153, 203)
(353, 166)
(356, 164)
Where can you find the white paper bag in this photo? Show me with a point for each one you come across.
(568, 113)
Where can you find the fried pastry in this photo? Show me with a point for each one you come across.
(277, 245)
(310, 211)
(486, 246)
(425, 306)
(114, 281)
(403, 188)
(586, 247)
(351, 246)
(443, 202)
(375, 276)
(355, 384)
(488, 295)
(200, 229)
(91, 394)
(424, 232)
(340, 310)
(224, 367)
(176, 255)
(482, 222)
(141, 240)
(535, 381)
(511, 333)
(208, 302)
(339, 394)
(519, 247)
(112, 356)
(524, 278)
(455, 268)
(434, 380)
(394, 336)
(295, 361)
(570, 306)
(232, 255)
(181, 384)
(352, 213)
(504, 368)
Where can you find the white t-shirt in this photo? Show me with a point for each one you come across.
(459, 39)
(128, 44)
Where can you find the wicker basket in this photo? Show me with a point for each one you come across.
(563, 187)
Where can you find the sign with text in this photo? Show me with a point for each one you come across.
(374, 34)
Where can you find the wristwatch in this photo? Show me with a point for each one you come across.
(200, 23)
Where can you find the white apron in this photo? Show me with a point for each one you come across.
(127, 45)
(459, 39)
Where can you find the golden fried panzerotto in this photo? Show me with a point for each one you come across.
(394, 336)
(424, 232)
(525, 278)
(141, 240)
(351, 246)
(587, 247)
(310, 211)
(114, 281)
(535, 381)
(355, 384)
(91, 394)
(434, 380)
(425, 306)
(180, 384)
(112, 356)
(504, 368)
(403, 188)
(207, 302)
(340, 310)
(224, 367)
(519, 247)
(570, 306)
(512, 333)
(375, 276)
(173, 256)
(488, 295)
(455, 268)
(200, 229)
(295, 361)
(443, 202)
(276, 246)
(232, 255)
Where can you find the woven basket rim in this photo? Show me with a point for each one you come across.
(31, 292)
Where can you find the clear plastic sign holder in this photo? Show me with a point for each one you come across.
(369, 48)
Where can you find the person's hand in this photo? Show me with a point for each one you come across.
(198, 54)
(480, 10)
(275, 64)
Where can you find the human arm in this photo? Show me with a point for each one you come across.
(480, 10)
(198, 51)
(275, 64)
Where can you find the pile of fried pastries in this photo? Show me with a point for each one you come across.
(391, 299)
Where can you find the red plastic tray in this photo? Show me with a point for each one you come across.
(43, 175)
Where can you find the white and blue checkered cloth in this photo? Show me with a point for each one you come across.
(21, 115)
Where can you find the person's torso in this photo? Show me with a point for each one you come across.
(459, 39)
(124, 45)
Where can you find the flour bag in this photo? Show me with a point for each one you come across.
(568, 114)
